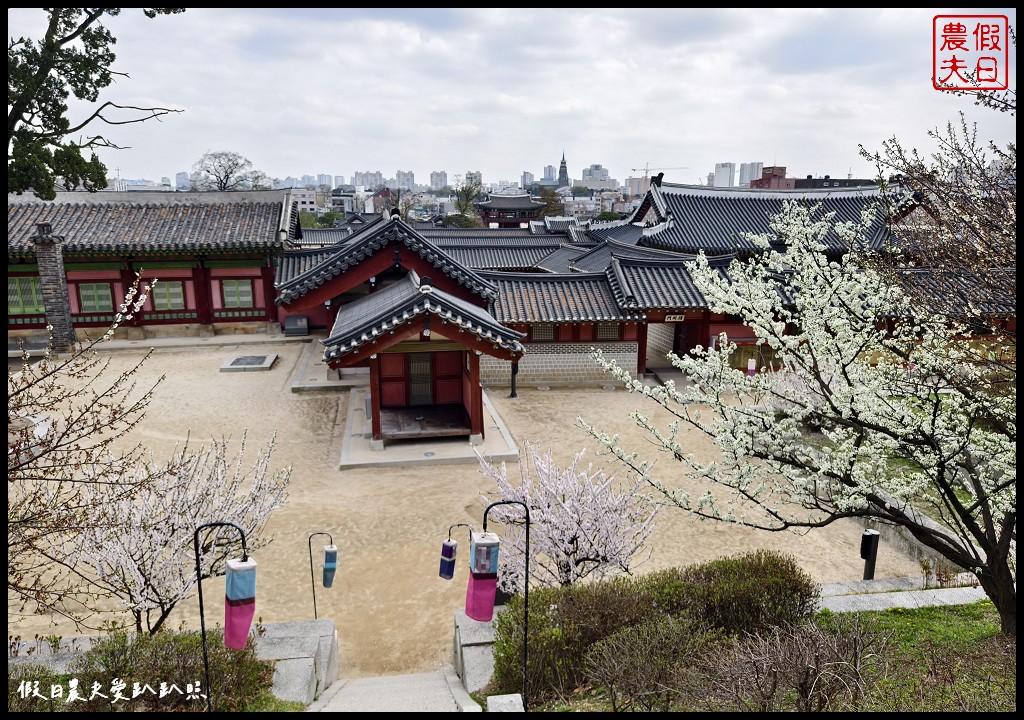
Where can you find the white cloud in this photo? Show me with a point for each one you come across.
(307, 91)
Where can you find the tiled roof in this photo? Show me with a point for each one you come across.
(175, 226)
(560, 223)
(294, 263)
(623, 232)
(364, 244)
(560, 261)
(379, 313)
(716, 220)
(499, 258)
(598, 258)
(580, 236)
(577, 297)
(510, 250)
(447, 237)
(510, 202)
(985, 292)
(322, 237)
(649, 284)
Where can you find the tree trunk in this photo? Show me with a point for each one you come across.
(1001, 589)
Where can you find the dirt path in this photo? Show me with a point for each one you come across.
(393, 613)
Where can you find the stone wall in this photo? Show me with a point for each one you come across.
(660, 338)
(558, 364)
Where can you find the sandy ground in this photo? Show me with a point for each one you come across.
(393, 613)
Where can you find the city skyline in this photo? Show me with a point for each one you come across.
(714, 178)
(505, 91)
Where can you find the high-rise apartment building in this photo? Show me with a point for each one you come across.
(405, 180)
(549, 172)
(750, 171)
(325, 180)
(339, 180)
(182, 182)
(596, 177)
(725, 174)
(636, 186)
(438, 179)
(527, 180)
(594, 172)
(474, 177)
(368, 179)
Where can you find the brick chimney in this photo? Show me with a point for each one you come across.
(54, 285)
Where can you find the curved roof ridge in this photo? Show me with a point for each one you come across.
(368, 241)
(380, 313)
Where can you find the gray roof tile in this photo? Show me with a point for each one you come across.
(577, 297)
(121, 226)
(717, 220)
(379, 313)
(372, 238)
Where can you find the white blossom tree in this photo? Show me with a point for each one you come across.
(64, 412)
(147, 560)
(877, 408)
(92, 519)
(583, 523)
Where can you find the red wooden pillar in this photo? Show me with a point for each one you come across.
(377, 435)
(476, 399)
(204, 294)
(705, 329)
(267, 274)
(641, 349)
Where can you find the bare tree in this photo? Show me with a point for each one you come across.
(998, 100)
(221, 171)
(74, 57)
(406, 204)
(465, 192)
(259, 180)
(952, 217)
(582, 522)
(955, 241)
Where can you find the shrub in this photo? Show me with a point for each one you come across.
(743, 593)
(563, 623)
(794, 668)
(22, 680)
(644, 666)
(163, 672)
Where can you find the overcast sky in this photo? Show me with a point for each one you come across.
(302, 91)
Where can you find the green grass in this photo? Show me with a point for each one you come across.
(936, 659)
(269, 703)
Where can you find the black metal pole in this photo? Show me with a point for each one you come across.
(311, 579)
(868, 552)
(526, 581)
(202, 617)
(515, 371)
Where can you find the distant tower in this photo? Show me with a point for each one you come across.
(563, 173)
